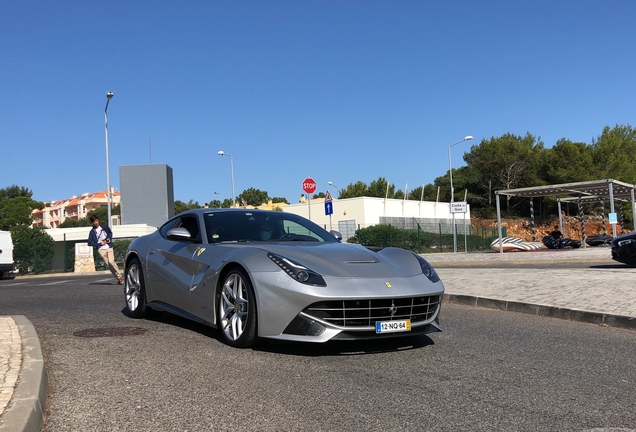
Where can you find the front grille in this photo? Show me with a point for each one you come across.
(364, 313)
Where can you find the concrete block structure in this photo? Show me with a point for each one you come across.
(147, 194)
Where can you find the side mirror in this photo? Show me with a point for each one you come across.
(336, 234)
(179, 234)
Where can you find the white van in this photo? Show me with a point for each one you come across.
(7, 263)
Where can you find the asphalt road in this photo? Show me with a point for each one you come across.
(489, 370)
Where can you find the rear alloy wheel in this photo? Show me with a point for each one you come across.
(134, 290)
(237, 310)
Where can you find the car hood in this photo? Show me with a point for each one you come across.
(344, 260)
(629, 236)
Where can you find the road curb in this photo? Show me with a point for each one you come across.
(610, 320)
(517, 262)
(27, 408)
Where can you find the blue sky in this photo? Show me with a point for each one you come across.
(340, 91)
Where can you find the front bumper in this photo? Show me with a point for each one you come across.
(624, 254)
(286, 308)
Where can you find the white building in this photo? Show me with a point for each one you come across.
(352, 213)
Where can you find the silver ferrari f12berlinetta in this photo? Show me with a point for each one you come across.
(269, 274)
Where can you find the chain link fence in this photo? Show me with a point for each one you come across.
(38, 255)
(427, 237)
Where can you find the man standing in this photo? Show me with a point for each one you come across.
(101, 237)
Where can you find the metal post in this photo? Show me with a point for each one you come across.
(612, 209)
(582, 221)
(560, 218)
(534, 236)
(603, 217)
(109, 96)
(633, 210)
(499, 223)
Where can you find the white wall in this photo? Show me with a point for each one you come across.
(367, 210)
(81, 233)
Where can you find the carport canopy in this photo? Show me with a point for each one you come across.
(595, 190)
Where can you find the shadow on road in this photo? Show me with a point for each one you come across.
(332, 348)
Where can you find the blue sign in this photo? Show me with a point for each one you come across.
(612, 218)
(328, 208)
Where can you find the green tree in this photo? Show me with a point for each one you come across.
(15, 191)
(253, 197)
(32, 248)
(280, 200)
(17, 211)
(214, 204)
(318, 195)
(180, 206)
(430, 192)
(614, 154)
(507, 162)
(378, 188)
(74, 223)
(569, 162)
(227, 203)
(353, 190)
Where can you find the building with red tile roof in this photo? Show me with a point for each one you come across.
(76, 207)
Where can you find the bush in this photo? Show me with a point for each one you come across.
(420, 241)
(32, 248)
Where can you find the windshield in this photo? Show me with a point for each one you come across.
(255, 225)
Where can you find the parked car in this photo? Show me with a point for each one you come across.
(267, 274)
(7, 259)
(624, 248)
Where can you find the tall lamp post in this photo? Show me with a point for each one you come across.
(450, 171)
(221, 153)
(109, 96)
(337, 188)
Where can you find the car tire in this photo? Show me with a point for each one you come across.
(135, 290)
(236, 307)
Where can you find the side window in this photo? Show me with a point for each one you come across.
(292, 227)
(167, 227)
(192, 225)
(188, 222)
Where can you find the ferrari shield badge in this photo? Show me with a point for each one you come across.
(388, 285)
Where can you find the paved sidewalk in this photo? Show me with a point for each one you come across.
(601, 292)
(23, 378)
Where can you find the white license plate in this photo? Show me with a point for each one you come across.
(392, 326)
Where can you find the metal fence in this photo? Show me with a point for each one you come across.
(35, 256)
(427, 238)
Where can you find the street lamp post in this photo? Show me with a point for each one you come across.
(109, 96)
(450, 171)
(338, 189)
(221, 153)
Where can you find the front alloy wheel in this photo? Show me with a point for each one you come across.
(237, 311)
(134, 291)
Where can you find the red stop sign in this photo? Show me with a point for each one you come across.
(309, 185)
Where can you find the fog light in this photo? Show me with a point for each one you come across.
(303, 326)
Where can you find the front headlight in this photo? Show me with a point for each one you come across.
(297, 271)
(428, 269)
(622, 243)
